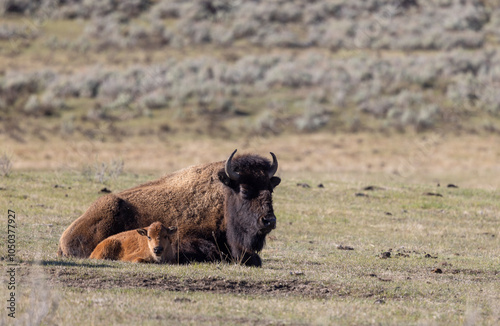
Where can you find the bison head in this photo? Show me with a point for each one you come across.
(249, 182)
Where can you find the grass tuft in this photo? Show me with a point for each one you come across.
(5, 165)
(102, 172)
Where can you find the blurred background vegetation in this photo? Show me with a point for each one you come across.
(112, 69)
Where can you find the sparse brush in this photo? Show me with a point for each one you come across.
(155, 100)
(314, 117)
(41, 303)
(5, 165)
(101, 172)
(46, 105)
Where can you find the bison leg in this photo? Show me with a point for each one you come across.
(199, 250)
(245, 257)
(107, 216)
(252, 260)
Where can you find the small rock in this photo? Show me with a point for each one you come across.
(342, 247)
(321, 185)
(372, 188)
(105, 190)
(388, 213)
(385, 255)
(298, 273)
(402, 254)
(182, 299)
(437, 271)
(360, 194)
(433, 194)
(451, 185)
(303, 185)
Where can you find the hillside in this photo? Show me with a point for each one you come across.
(115, 69)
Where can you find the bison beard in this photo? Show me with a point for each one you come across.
(223, 211)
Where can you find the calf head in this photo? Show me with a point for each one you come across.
(249, 182)
(159, 241)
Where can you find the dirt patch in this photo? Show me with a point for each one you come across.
(90, 280)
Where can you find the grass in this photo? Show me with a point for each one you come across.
(443, 267)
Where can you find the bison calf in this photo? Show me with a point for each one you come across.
(147, 245)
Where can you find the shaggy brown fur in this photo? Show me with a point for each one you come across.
(147, 245)
(202, 201)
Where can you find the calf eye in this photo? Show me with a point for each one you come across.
(149, 238)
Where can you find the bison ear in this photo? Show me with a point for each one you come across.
(226, 180)
(275, 181)
(172, 230)
(143, 232)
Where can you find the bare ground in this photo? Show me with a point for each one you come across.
(92, 280)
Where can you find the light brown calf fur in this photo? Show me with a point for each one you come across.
(147, 245)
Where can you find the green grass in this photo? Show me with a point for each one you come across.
(305, 278)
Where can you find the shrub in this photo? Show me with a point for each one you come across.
(18, 6)
(46, 105)
(289, 75)
(101, 172)
(314, 116)
(166, 9)
(155, 100)
(5, 165)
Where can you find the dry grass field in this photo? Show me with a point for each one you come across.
(384, 116)
(380, 243)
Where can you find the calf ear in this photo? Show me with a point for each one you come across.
(275, 181)
(172, 230)
(143, 232)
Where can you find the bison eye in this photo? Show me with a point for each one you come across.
(149, 238)
(247, 194)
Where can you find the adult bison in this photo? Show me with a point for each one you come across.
(223, 211)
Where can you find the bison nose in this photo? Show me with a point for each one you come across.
(158, 250)
(269, 222)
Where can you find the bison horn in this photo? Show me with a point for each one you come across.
(229, 170)
(274, 166)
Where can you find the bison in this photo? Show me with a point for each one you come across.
(222, 211)
(146, 245)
